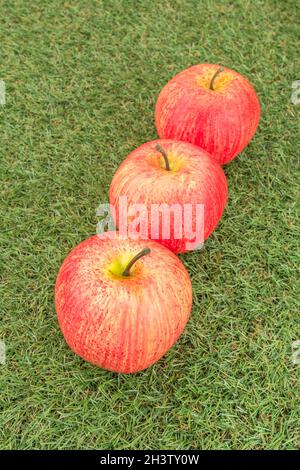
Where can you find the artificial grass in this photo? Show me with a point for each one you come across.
(81, 83)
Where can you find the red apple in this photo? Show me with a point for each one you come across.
(121, 304)
(175, 174)
(210, 106)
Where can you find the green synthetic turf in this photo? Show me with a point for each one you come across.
(81, 83)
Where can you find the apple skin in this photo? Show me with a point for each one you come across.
(221, 121)
(122, 324)
(143, 179)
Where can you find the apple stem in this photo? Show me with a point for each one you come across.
(144, 252)
(219, 70)
(164, 154)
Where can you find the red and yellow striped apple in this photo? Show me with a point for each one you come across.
(176, 174)
(210, 106)
(121, 304)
